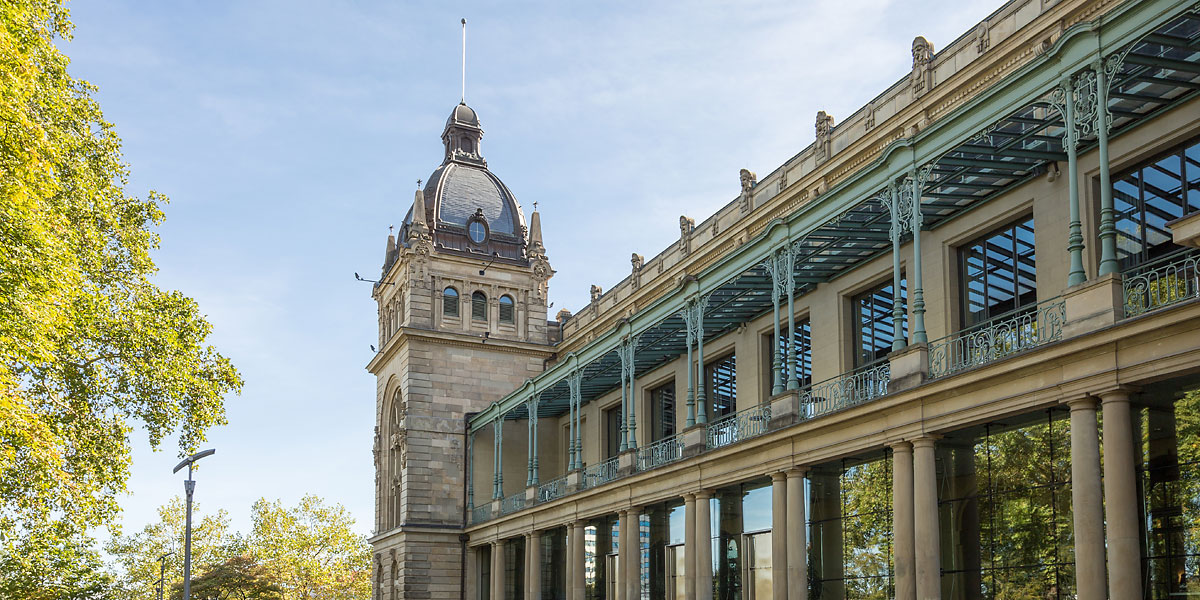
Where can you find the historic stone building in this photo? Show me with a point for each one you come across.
(951, 349)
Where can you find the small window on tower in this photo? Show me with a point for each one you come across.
(478, 306)
(478, 231)
(450, 302)
(508, 310)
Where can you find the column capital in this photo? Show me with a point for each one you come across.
(797, 471)
(703, 494)
(779, 476)
(1081, 403)
(689, 497)
(926, 441)
(902, 446)
(1118, 394)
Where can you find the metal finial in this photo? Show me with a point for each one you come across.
(464, 61)
(418, 184)
(535, 205)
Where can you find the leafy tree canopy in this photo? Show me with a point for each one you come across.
(89, 346)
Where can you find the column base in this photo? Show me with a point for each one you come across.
(695, 440)
(574, 481)
(785, 410)
(1094, 304)
(909, 367)
(626, 462)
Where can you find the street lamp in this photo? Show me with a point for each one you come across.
(162, 573)
(189, 486)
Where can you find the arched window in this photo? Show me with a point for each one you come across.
(479, 306)
(508, 310)
(450, 302)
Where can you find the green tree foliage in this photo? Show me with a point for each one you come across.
(311, 550)
(306, 551)
(137, 556)
(89, 346)
(238, 578)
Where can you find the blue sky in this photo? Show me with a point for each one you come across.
(290, 135)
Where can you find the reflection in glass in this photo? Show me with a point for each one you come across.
(850, 529)
(1169, 432)
(1149, 196)
(874, 328)
(1005, 509)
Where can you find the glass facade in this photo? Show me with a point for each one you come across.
(1149, 196)
(662, 411)
(554, 564)
(1168, 431)
(612, 432)
(1004, 504)
(998, 273)
(850, 529)
(803, 339)
(514, 568)
(874, 328)
(721, 381)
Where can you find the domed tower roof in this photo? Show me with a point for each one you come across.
(468, 208)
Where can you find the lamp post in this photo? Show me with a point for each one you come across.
(162, 573)
(189, 486)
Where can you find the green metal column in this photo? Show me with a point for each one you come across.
(471, 469)
(497, 460)
(772, 265)
(531, 424)
(1108, 230)
(919, 336)
(624, 398)
(1063, 99)
(701, 400)
(893, 203)
(691, 399)
(628, 377)
(789, 288)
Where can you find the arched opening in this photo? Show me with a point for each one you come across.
(479, 306)
(450, 302)
(508, 310)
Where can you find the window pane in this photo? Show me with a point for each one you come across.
(662, 405)
(722, 385)
(874, 328)
(999, 273)
(1192, 167)
(507, 310)
(1126, 203)
(478, 306)
(450, 302)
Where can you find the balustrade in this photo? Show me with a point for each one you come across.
(1163, 282)
(739, 426)
(998, 338)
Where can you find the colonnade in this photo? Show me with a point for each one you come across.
(1104, 566)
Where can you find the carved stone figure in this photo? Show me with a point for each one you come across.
(824, 144)
(637, 261)
(597, 291)
(922, 71)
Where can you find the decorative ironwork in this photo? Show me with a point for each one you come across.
(856, 387)
(552, 490)
(480, 514)
(741, 425)
(600, 474)
(662, 452)
(1160, 283)
(512, 503)
(1003, 336)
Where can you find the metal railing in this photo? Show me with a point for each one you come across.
(856, 387)
(662, 452)
(552, 490)
(1003, 336)
(1160, 283)
(600, 473)
(512, 503)
(480, 514)
(741, 425)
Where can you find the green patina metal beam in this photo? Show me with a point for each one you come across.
(1076, 49)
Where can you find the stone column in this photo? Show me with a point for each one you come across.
(577, 583)
(569, 562)
(623, 556)
(1087, 510)
(535, 566)
(498, 570)
(1120, 497)
(903, 535)
(472, 585)
(704, 570)
(689, 545)
(797, 557)
(779, 529)
(926, 534)
(632, 553)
